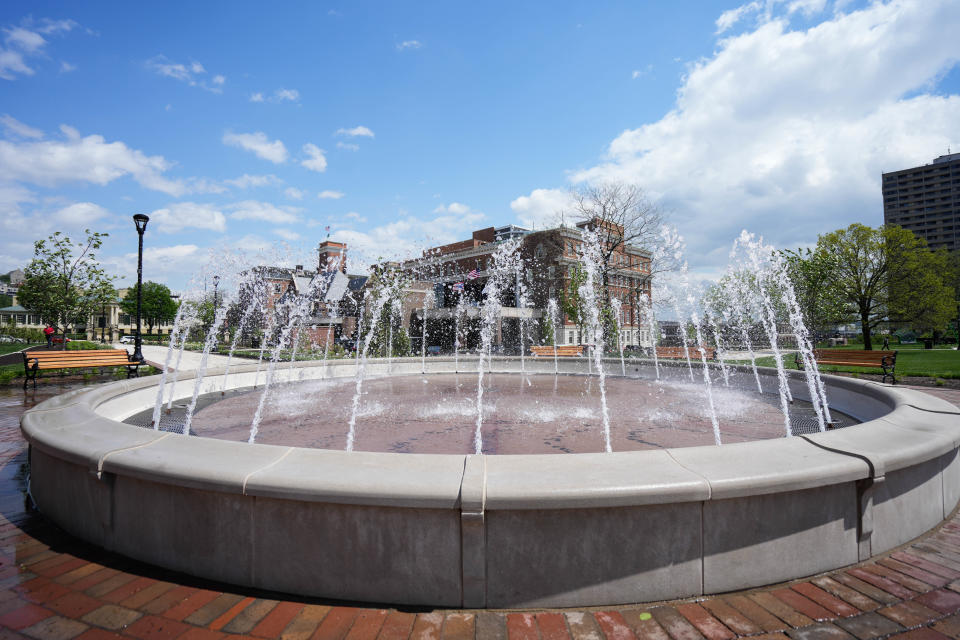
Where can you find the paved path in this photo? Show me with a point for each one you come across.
(54, 587)
(157, 356)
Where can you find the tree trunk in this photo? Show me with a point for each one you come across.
(865, 325)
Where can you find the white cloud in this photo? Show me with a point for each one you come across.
(187, 215)
(80, 214)
(453, 207)
(279, 95)
(287, 234)
(639, 73)
(409, 44)
(542, 208)
(786, 131)
(258, 143)
(315, 161)
(25, 41)
(294, 194)
(203, 185)
(355, 131)
(731, 17)
(329, 194)
(12, 63)
(255, 210)
(246, 181)
(291, 95)
(14, 127)
(349, 146)
(353, 215)
(163, 264)
(188, 73)
(66, 67)
(83, 159)
(404, 238)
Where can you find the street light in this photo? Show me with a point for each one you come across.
(216, 282)
(140, 220)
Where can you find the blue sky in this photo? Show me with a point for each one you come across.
(405, 125)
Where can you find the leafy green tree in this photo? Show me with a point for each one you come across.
(886, 274)
(157, 305)
(391, 283)
(570, 301)
(811, 272)
(64, 283)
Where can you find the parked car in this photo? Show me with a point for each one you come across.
(59, 339)
(127, 339)
(433, 350)
(12, 339)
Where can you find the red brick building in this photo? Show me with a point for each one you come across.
(548, 258)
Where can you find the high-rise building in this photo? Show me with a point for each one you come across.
(926, 200)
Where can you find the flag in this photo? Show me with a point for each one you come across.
(473, 274)
(458, 286)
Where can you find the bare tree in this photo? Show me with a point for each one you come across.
(628, 217)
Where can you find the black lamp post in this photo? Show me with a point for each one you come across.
(103, 321)
(216, 282)
(140, 220)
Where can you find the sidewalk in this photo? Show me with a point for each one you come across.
(157, 356)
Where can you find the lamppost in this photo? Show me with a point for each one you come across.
(216, 282)
(140, 220)
(103, 323)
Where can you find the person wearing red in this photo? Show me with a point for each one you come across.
(49, 331)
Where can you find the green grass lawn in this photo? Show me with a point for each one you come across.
(911, 361)
(10, 347)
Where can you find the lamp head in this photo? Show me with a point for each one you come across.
(141, 221)
(216, 280)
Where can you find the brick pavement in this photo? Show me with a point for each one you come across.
(55, 587)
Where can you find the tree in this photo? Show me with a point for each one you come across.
(570, 301)
(628, 217)
(811, 272)
(157, 305)
(886, 274)
(64, 283)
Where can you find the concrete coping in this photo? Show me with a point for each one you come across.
(83, 427)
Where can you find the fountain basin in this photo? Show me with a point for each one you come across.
(495, 531)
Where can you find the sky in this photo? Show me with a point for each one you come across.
(404, 125)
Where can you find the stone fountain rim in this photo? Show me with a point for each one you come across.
(917, 427)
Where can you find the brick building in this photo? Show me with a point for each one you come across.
(548, 261)
(333, 314)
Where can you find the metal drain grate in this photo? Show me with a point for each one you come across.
(803, 424)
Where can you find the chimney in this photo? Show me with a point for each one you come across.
(330, 254)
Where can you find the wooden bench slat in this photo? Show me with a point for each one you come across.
(36, 361)
(885, 360)
(693, 350)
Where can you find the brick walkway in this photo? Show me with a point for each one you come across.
(52, 586)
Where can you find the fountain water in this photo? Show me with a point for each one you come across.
(590, 258)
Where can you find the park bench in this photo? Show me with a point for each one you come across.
(886, 360)
(571, 350)
(36, 361)
(679, 353)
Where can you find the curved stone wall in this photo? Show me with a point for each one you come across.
(495, 531)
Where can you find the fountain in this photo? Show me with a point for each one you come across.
(553, 482)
